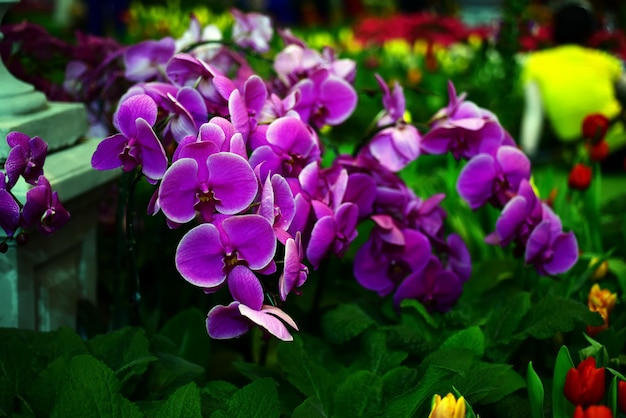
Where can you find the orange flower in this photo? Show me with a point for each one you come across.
(592, 331)
(580, 177)
(601, 299)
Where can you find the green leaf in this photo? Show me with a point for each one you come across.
(185, 402)
(308, 376)
(503, 322)
(92, 390)
(43, 391)
(358, 394)
(471, 338)
(345, 322)
(310, 408)
(469, 411)
(127, 352)
(418, 307)
(535, 392)
(381, 357)
(258, 399)
(612, 395)
(561, 407)
(215, 394)
(170, 371)
(488, 383)
(553, 314)
(187, 330)
(398, 381)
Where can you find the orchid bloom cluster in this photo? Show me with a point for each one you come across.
(42, 209)
(240, 158)
(498, 173)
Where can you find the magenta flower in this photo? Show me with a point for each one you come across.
(381, 266)
(332, 232)
(219, 181)
(295, 272)
(246, 310)
(252, 30)
(187, 112)
(245, 107)
(551, 250)
(208, 253)
(493, 178)
(137, 144)
(9, 209)
(434, 287)
(26, 158)
(44, 209)
(277, 205)
(146, 60)
(518, 217)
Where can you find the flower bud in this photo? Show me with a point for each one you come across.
(600, 269)
(595, 127)
(580, 177)
(584, 385)
(448, 407)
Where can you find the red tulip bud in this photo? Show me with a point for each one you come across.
(595, 127)
(598, 151)
(584, 385)
(580, 177)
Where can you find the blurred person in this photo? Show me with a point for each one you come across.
(565, 83)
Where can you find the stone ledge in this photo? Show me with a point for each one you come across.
(60, 124)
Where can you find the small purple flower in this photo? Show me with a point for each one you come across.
(187, 112)
(9, 209)
(245, 107)
(459, 260)
(26, 158)
(247, 309)
(518, 217)
(277, 205)
(332, 232)
(295, 272)
(551, 250)
(434, 287)
(493, 178)
(44, 209)
(219, 181)
(252, 30)
(146, 60)
(208, 253)
(137, 144)
(427, 216)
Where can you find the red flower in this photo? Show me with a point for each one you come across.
(598, 151)
(621, 395)
(595, 126)
(580, 177)
(594, 411)
(584, 385)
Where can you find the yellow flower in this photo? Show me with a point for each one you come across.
(600, 269)
(447, 407)
(599, 299)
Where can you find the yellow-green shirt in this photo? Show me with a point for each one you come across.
(573, 82)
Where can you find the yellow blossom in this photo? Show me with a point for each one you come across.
(447, 407)
(600, 269)
(601, 299)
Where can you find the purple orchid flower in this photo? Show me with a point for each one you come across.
(296, 62)
(381, 266)
(146, 60)
(245, 107)
(291, 146)
(207, 254)
(252, 30)
(9, 209)
(26, 158)
(325, 99)
(437, 289)
(277, 205)
(295, 272)
(44, 209)
(550, 250)
(247, 309)
(137, 144)
(427, 216)
(187, 112)
(493, 178)
(206, 181)
(459, 260)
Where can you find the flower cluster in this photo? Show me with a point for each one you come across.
(42, 209)
(240, 157)
(498, 173)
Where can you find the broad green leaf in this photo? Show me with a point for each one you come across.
(503, 322)
(488, 383)
(469, 411)
(92, 390)
(43, 391)
(170, 371)
(561, 407)
(185, 402)
(398, 381)
(553, 314)
(307, 375)
(381, 357)
(535, 392)
(310, 408)
(358, 395)
(471, 338)
(187, 330)
(258, 399)
(421, 310)
(215, 394)
(345, 322)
